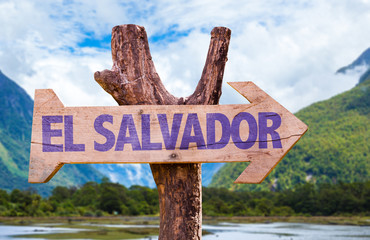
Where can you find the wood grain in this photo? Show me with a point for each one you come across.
(133, 80)
(263, 160)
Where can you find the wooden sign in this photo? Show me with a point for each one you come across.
(261, 133)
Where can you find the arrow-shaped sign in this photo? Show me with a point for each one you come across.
(261, 133)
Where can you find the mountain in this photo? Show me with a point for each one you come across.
(334, 149)
(208, 171)
(16, 109)
(127, 174)
(140, 174)
(362, 60)
(365, 76)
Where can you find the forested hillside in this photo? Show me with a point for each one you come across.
(335, 148)
(16, 109)
(106, 198)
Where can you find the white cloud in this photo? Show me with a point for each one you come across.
(71, 77)
(291, 49)
(180, 64)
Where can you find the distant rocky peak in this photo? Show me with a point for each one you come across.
(362, 60)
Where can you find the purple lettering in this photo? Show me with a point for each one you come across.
(263, 130)
(211, 131)
(145, 134)
(127, 124)
(48, 133)
(192, 122)
(170, 138)
(68, 136)
(235, 130)
(99, 128)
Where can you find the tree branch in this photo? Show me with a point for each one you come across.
(133, 80)
(208, 91)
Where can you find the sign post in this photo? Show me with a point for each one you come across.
(174, 135)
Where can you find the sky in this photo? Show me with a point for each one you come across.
(290, 49)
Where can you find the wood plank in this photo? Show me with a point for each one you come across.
(145, 134)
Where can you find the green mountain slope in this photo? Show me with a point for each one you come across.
(335, 148)
(365, 76)
(15, 137)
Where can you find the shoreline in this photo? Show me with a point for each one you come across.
(207, 220)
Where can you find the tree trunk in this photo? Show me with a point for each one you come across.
(133, 80)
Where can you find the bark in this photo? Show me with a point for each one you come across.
(133, 80)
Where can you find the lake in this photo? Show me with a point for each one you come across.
(267, 231)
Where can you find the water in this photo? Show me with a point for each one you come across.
(9, 232)
(280, 231)
(286, 231)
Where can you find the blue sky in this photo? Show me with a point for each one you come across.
(291, 49)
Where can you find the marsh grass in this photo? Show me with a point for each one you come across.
(100, 233)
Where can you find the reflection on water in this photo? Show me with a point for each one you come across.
(289, 231)
(8, 232)
(281, 231)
